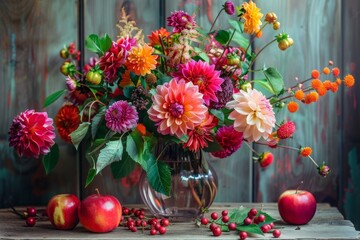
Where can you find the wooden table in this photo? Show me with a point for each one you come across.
(327, 223)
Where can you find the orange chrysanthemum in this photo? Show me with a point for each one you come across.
(157, 35)
(292, 106)
(299, 94)
(252, 17)
(326, 70)
(125, 80)
(305, 151)
(141, 60)
(349, 80)
(336, 71)
(316, 83)
(67, 120)
(315, 73)
(327, 84)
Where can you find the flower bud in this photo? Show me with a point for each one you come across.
(324, 170)
(229, 7)
(246, 86)
(271, 17)
(276, 25)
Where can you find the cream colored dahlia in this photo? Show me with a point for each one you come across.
(253, 114)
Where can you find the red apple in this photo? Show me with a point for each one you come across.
(62, 210)
(297, 206)
(100, 213)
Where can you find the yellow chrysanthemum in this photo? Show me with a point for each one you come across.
(252, 17)
(141, 60)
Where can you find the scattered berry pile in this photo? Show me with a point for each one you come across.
(243, 221)
(136, 218)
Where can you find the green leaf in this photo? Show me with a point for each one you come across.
(241, 40)
(51, 159)
(213, 146)
(124, 167)
(204, 57)
(90, 176)
(275, 79)
(264, 83)
(252, 228)
(105, 43)
(78, 135)
(222, 36)
(159, 176)
(53, 97)
(96, 120)
(268, 218)
(219, 114)
(237, 25)
(163, 79)
(135, 148)
(128, 91)
(238, 215)
(110, 153)
(92, 43)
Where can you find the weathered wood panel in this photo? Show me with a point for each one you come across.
(315, 27)
(350, 161)
(32, 33)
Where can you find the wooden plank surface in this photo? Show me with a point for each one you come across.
(327, 223)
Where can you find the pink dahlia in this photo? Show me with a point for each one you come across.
(115, 57)
(203, 75)
(229, 139)
(180, 20)
(253, 114)
(121, 117)
(32, 133)
(201, 134)
(177, 107)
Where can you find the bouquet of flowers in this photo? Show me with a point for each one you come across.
(186, 86)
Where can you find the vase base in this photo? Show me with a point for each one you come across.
(176, 214)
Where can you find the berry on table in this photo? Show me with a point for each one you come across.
(247, 221)
(30, 221)
(261, 218)
(162, 230)
(164, 222)
(217, 231)
(214, 215)
(31, 212)
(276, 233)
(225, 219)
(153, 231)
(232, 226)
(224, 213)
(243, 235)
(204, 221)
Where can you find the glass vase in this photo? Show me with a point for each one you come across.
(193, 184)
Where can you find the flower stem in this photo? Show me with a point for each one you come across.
(217, 16)
(253, 60)
(252, 149)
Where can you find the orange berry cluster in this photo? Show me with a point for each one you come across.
(318, 88)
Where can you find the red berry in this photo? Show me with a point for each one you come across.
(252, 213)
(286, 130)
(212, 226)
(276, 233)
(272, 225)
(137, 213)
(162, 230)
(204, 221)
(130, 223)
(217, 231)
(31, 211)
(164, 222)
(126, 211)
(265, 228)
(243, 235)
(214, 215)
(247, 221)
(225, 219)
(143, 224)
(157, 226)
(133, 229)
(137, 222)
(141, 216)
(133, 210)
(30, 221)
(261, 218)
(232, 226)
(153, 231)
(224, 213)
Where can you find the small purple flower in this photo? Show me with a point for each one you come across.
(324, 170)
(70, 84)
(180, 20)
(121, 117)
(229, 7)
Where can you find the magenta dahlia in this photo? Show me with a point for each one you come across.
(115, 57)
(204, 76)
(32, 133)
(229, 139)
(121, 117)
(180, 20)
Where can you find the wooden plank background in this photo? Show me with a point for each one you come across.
(33, 31)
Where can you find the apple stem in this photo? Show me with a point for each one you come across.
(97, 191)
(299, 187)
